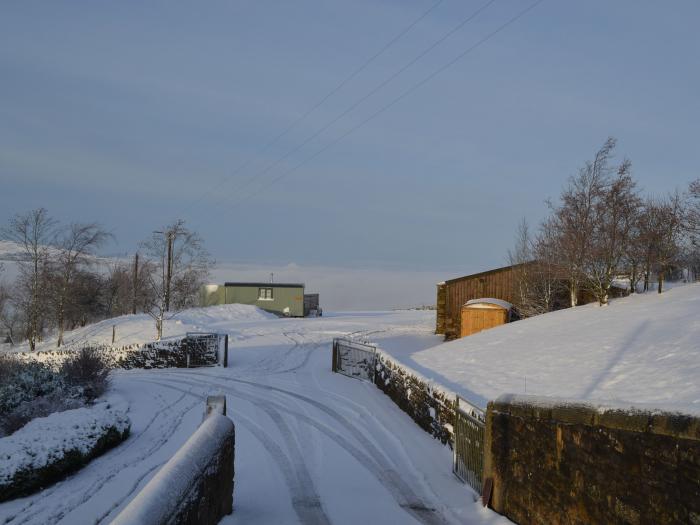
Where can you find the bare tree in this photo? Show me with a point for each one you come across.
(637, 252)
(537, 277)
(127, 288)
(665, 234)
(34, 232)
(574, 218)
(520, 258)
(692, 215)
(615, 210)
(75, 247)
(176, 268)
(4, 307)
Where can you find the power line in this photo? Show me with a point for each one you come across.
(403, 95)
(318, 104)
(374, 90)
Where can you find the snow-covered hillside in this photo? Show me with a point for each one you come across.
(643, 349)
(140, 328)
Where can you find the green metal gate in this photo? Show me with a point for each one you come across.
(468, 451)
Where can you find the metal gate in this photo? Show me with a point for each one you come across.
(468, 451)
(354, 359)
(206, 349)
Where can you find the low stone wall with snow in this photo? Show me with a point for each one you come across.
(162, 354)
(195, 487)
(48, 448)
(572, 462)
(430, 406)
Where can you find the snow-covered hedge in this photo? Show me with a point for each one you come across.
(48, 448)
(431, 407)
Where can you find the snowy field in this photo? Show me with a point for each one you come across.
(641, 350)
(311, 446)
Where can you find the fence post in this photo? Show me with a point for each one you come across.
(226, 351)
(334, 363)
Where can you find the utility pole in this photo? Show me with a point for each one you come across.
(171, 236)
(272, 277)
(135, 283)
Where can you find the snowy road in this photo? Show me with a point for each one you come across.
(311, 446)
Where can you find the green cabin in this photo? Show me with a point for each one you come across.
(280, 298)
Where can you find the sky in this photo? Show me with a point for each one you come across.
(135, 114)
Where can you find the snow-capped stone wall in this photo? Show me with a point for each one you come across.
(162, 354)
(195, 487)
(429, 405)
(559, 461)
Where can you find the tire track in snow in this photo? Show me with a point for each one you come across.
(304, 497)
(371, 458)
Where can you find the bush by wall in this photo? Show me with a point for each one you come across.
(47, 449)
(32, 389)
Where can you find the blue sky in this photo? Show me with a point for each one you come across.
(132, 113)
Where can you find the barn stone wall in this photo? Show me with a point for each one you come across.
(440, 306)
(575, 463)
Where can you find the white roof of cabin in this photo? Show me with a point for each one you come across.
(490, 301)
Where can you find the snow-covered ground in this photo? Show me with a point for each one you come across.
(317, 447)
(639, 350)
(311, 446)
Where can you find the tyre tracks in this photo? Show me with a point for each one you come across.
(367, 454)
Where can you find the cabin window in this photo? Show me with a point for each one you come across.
(265, 294)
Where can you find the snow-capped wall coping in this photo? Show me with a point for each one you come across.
(554, 460)
(431, 383)
(490, 300)
(622, 416)
(195, 486)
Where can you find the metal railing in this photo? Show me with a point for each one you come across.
(354, 359)
(468, 450)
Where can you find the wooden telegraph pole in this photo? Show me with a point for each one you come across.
(135, 283)
(169, 274)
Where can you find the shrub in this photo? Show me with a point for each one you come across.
(22, 381)
(87, 370)
(49, 448)
(30, 389)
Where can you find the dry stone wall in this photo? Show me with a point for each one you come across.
(162, 354)
(575, 463)
(432, 408)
